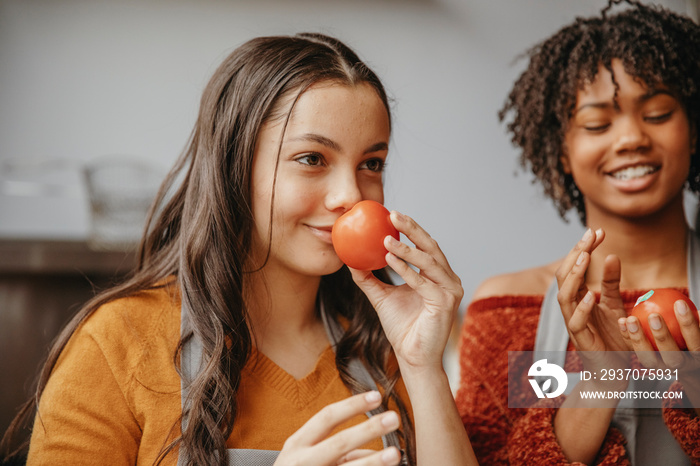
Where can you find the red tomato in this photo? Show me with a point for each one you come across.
(358, 235)
(660, 301)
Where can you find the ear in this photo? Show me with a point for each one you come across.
(564, 159)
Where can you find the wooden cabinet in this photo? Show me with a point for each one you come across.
(42, 285)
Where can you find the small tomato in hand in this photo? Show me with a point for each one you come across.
(358, 235)
(660, 301)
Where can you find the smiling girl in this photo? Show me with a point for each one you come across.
(241, 338)
(607, 117)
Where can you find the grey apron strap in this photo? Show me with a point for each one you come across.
(649, 441)
(251, 457)
(190, 363)
(552, 338)
(551, 329)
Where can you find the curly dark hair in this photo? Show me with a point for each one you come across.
(655, 45)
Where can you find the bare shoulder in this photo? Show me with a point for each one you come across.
(533, 281)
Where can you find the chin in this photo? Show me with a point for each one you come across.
(634, 209)
(333, 268)
(322, 268)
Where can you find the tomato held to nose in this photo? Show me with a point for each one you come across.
(660, 301)
(358, 235)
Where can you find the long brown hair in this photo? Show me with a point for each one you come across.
(200, 229)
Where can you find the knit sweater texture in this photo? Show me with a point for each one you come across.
(525, 436)
(114, 394)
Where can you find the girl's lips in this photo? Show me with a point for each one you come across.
(632, 171)
(322, 233)
(633, 184)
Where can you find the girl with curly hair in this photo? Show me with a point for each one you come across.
(606, 115)
(241, 337)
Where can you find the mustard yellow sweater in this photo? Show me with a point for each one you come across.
(114, 395)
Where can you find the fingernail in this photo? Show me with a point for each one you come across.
(391, 240)
(579, 259)
(390, 456)
(587, 234)
(373, 396)
(623, 324)
(598, 232)
(681, 307)
(390, 419)
(655, 322)
(589, 296)
(399, 215)
(632, 326)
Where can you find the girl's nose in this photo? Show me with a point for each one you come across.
(343, 192)
(631, 136)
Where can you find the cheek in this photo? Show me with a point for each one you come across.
(679, 144)
(294, 200)
(583, 154)
(685, 146)
(262, 202)
(373, 190)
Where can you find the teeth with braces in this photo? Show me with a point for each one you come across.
(633, 172)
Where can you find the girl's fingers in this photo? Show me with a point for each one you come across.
(426, 256)
(322, 423)
(430, 267)
(572, 289)
(622, 324)
(586, 244)
(610, 286)
(599, 237)
(314, 444)
(418, 236)
(428, 290)
(579, 318)
(578, 323)
(388, 456)
(662, 337)
(370, 285)
(640, 344)
(669, 353)
(339, 444)
(356, 454)
(688, 324)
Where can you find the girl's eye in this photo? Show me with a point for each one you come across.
(659, 118)
(596, 128)
(312, 160)
(592, 121)
(375, 165)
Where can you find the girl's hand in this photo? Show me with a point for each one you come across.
(313, 445)
(592, 326)
(668, 356)
(417, 316)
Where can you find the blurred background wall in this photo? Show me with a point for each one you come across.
(80, 80)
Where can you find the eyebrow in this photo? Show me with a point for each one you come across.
(313, 137)
(380, 146)
(654, 93)
(643, 98)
